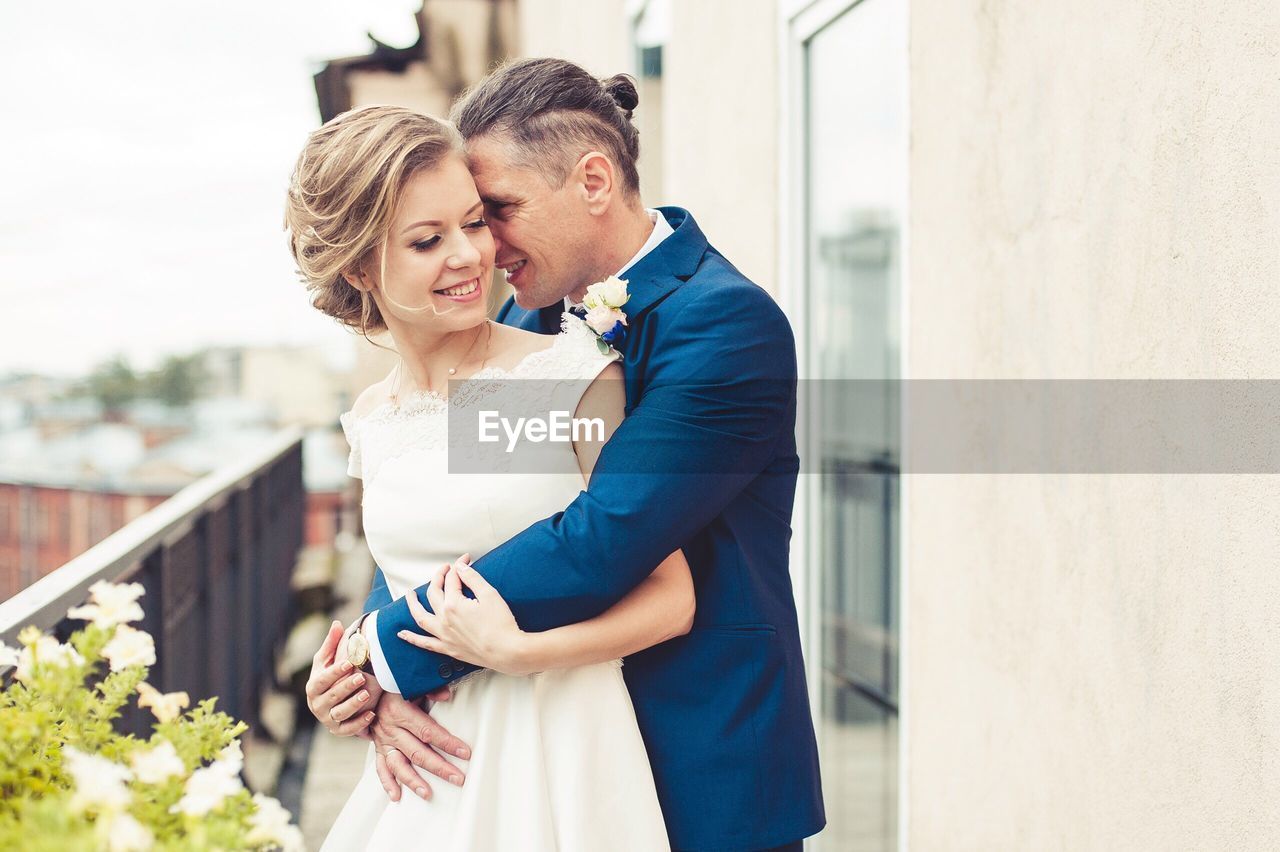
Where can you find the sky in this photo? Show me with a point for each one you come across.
(145, 150)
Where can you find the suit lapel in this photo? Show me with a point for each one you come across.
(671, 263)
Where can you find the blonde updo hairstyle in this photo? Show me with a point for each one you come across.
(343, 197)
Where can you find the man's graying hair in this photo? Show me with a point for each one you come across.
(554, 112)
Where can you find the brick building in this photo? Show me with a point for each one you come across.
(44, 526)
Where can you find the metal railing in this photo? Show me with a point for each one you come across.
(215, 560)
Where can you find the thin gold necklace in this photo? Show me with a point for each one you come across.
(453, 371)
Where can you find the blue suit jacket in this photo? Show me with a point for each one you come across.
(705, 461)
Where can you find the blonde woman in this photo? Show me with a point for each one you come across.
(389, 234)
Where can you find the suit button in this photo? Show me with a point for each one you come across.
(445, 670)
(459, 668)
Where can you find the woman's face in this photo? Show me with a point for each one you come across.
(439, 253)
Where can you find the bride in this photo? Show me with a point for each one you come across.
(388, 231)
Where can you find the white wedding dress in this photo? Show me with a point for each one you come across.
(557, 759)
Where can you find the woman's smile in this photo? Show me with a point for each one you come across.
(467, 291)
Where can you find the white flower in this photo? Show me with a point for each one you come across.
(99, 783)
(601, 318)
(126, 834)
(112, 604)
(130, 647)
(609, 293)
(232, 756)
(271, 825)
(8, 656)
(50, 650)
(157, 765)
(47, 651)
(207, 787)
(165, 705)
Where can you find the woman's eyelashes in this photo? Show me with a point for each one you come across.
(434, 240)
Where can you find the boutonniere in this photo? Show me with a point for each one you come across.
(604, 301)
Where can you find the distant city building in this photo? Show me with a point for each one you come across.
(42, 527)
(68, 479)
(295, 385)
(60, 497)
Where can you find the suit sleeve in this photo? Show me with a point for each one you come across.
(720, 392)
(379, 596)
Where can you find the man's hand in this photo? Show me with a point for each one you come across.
(342, 699)
(405, 736)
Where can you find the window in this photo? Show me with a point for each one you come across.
(853, 188)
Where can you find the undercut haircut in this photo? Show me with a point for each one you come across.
(554, 112)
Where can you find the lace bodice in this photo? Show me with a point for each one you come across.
(420, 510)
(554, 376)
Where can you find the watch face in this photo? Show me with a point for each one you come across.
(357, 649)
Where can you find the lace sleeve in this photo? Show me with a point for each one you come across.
(351, 428)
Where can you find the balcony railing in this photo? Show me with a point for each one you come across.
(216, 561)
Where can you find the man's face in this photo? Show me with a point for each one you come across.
(543, 234)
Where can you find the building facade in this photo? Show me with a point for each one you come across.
(43, 526)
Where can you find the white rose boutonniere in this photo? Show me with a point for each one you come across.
(604, 301)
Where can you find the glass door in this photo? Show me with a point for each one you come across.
(855, 150)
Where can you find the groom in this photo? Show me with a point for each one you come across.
(705, 461)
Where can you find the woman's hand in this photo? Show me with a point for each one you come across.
(479, 630)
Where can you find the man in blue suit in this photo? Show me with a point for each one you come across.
(705, 461)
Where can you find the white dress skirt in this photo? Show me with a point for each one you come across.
(557, 760)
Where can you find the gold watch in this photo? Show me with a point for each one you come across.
(358, 647)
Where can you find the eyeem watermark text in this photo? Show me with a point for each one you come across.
(559, 426)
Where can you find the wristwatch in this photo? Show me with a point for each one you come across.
(358, 646)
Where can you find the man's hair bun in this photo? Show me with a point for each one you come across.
(622, 89)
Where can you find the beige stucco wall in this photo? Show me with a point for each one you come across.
(595, 35)
(1095, 192)
(415, 88)
(720, 155)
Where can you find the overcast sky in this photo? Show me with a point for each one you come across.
(145, 148)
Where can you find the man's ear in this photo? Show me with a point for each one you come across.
(595, 178)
